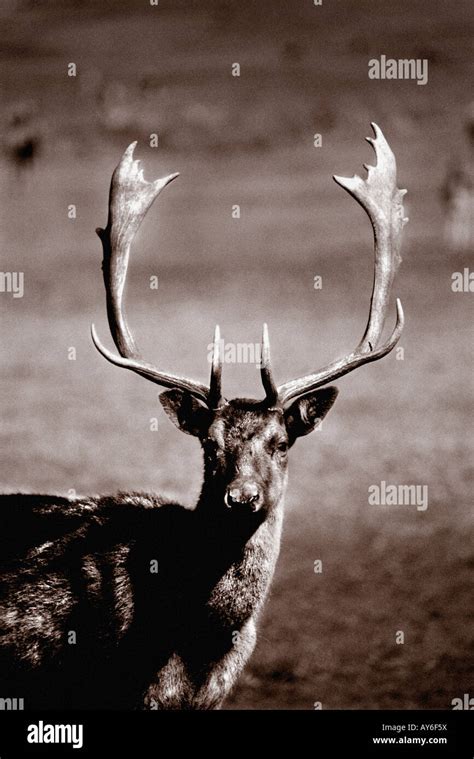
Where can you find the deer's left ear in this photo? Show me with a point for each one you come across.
(307, 413)
(186, 411)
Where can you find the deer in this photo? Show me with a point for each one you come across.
(134, 601)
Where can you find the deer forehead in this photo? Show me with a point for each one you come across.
(237, 427)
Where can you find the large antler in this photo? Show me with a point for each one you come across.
(130, 198)
(379, 197)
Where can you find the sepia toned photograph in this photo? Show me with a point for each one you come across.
(264, 211)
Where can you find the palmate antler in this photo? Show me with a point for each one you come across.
(130, 198)
(383, 202)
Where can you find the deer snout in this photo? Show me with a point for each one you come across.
(246, 494)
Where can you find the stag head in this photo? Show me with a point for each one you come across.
(245, 442)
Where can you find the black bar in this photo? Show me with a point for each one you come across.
(324, 733)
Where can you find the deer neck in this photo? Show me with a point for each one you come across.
(241, 557)
(253, 539)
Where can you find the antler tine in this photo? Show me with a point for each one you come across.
(383, 202)
(215, 386)
(129, 200)
(271, 391)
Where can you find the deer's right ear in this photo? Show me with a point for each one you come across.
(186, 412)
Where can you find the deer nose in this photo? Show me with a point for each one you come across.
(246, 494)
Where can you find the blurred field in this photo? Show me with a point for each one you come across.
(84, 425)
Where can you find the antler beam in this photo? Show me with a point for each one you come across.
(383, 202)
(130, 198)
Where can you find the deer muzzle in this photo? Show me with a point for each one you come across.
(243, 494)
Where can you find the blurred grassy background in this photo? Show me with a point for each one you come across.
(84, 425)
